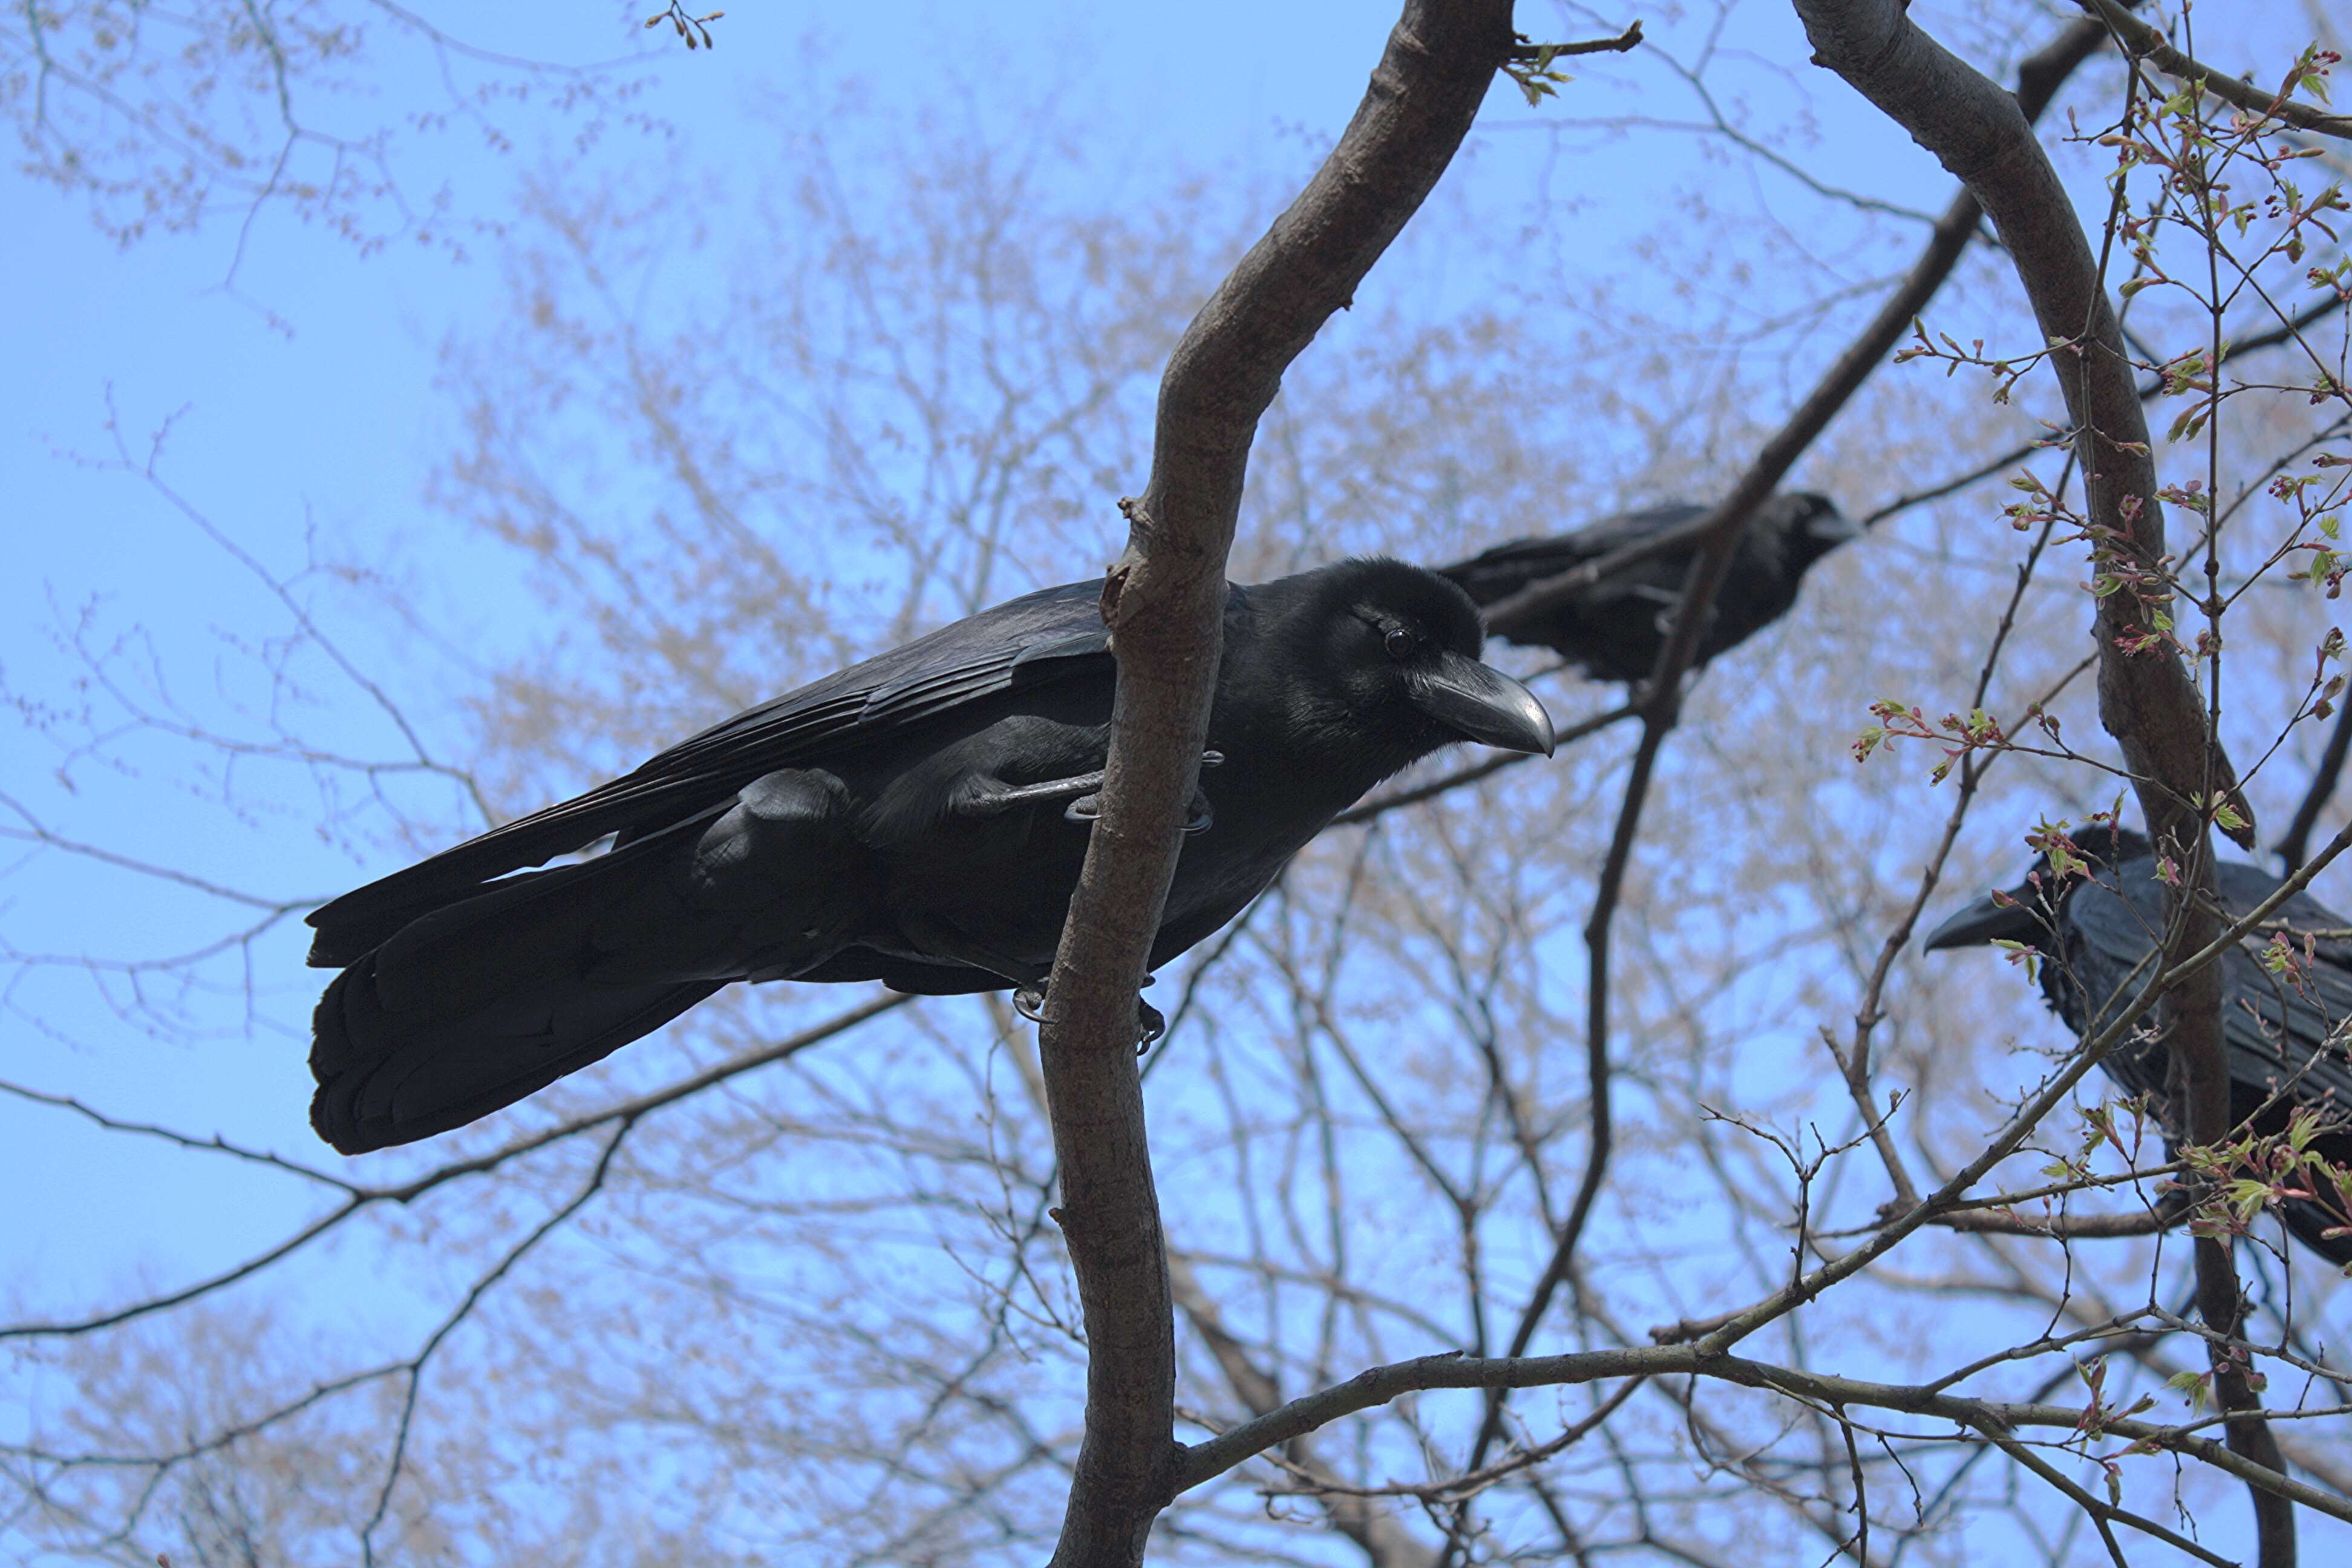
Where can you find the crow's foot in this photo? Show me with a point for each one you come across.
(1199, 815)
(1029, 1001)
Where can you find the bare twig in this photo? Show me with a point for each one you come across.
(631, 1112)
(2150, 45)
(2322, 790)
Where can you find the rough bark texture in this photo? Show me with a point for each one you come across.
(2146, 700)
(1163, 603)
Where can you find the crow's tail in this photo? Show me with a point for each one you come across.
(384, 1080)
(481, 1003)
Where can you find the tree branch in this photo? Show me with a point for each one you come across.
(629, 1110)
(1379, 1384)
(2146, 700)
(1164, 602)
(1385, 1542)
(2151, 46)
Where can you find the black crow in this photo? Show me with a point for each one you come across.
(2281, 1031)
(918, 819)
(1615, 628)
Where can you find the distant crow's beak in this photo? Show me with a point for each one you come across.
(1983, 921)
(1482, 704)
(1831, 526)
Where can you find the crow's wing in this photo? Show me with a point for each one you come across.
(1494, 575)
(1599, 538)
(1051, 636)
(2315, 1001)
(2277, 1028)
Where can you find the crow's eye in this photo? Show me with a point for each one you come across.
(1399, 643)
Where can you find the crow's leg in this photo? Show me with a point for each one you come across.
(990, 798)
(1198, 815)
(935, 942)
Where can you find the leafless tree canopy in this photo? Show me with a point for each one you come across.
(1566, 1160)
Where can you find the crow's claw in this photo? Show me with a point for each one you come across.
(1029, 1001)
(1198, 816)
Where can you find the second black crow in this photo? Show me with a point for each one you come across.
(1615, 628)
(918, 819)
(2283, 1031)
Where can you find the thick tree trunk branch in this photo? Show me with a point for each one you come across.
(2146, 700)
(1164, 603)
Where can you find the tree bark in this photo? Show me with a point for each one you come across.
(1164, 603)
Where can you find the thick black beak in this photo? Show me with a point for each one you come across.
(1983, 921)
(1482, 704)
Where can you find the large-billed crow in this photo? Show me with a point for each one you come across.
(2282, 1032)
(918, 819)
(1615, 628)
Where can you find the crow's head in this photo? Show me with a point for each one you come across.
(1806, 527)
(1380, 659)
(2028, 911)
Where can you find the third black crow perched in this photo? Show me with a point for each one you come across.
(2283, 1033)
(918, 819)
(1615, 628)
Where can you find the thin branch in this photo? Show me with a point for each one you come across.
(2323, 790)
(1378, 1385)
(2152, 46)
(629, 1110)
(216, 1144)
(415, 1366)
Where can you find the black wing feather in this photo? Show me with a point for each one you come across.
(1495, 574)
(2276, 1030)
(1048, 635)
